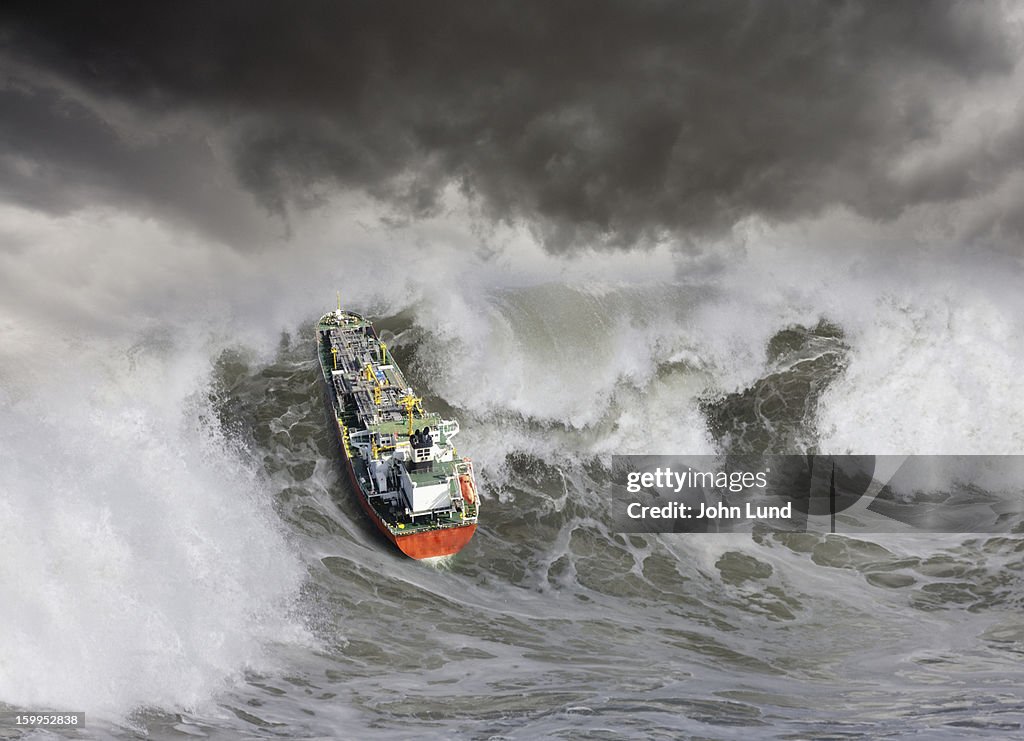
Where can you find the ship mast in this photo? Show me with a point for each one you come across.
(410, 403)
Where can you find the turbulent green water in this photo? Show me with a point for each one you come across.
(547, 624)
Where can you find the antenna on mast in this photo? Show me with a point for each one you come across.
(339, 302)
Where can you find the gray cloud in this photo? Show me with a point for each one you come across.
(60, 156)
(611, 121)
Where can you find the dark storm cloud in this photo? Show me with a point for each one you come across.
(585, 118)
(59, 156)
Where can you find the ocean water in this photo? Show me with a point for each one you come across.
(181, 555)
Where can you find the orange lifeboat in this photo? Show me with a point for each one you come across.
(468, 490)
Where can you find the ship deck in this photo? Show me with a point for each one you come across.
(362, 370)
(401, 526)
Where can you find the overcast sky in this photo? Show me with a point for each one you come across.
(172, 162)
(591, 122)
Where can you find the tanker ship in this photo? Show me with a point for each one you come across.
(409, 478)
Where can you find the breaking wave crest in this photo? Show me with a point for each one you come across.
(140, 563)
